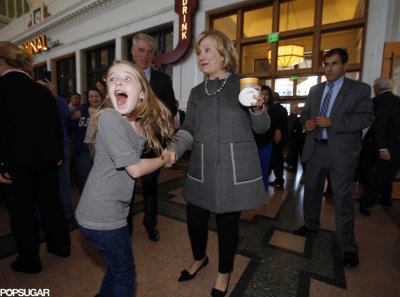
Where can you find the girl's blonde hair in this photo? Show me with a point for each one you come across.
(16, 56)
(155, 118)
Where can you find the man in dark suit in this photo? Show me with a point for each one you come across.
(31, 149)
(161, 84)
(369, 152)
(333, 116)
(386, 135)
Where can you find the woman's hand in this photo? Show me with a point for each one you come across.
(172, 157)
(5, 178)
(257, 107)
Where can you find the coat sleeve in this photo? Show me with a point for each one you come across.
(260, 122)
(382, 125)
(165, 92)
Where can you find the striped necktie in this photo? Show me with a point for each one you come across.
(324, 109)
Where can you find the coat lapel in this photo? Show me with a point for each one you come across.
(319, 94)
(340, 97)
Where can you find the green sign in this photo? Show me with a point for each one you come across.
(295, 77)
(273, 37)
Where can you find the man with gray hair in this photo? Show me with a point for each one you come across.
(380, 148)
(143, 52)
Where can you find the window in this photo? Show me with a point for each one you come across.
(66, 77)
(342, 10)
(296, 14)
(226, 24)
(257, 22)
(97, 63)
(352, 40)
(307, 29)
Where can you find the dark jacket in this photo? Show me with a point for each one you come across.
(30, 125)
(387, 127)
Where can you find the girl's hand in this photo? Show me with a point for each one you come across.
(169, 157)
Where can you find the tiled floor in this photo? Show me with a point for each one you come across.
(270, 260)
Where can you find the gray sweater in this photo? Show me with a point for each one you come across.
(224, 173)
(104, 204)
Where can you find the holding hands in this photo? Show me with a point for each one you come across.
(169, 157)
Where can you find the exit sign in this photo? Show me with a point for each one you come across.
(273, 37)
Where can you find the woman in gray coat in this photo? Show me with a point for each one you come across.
(224, 174)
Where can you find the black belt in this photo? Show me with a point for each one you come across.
(323, 141)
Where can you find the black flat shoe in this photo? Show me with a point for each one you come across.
(217, 293)
(185, 275)
(303, 231)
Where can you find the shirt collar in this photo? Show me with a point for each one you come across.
(15, 70)
(147, 73)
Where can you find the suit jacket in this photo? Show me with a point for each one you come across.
(387, 126)
(30, 125)
(351, 112)
(377, 102)
(162, 87)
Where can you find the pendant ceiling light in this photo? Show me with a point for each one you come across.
(288, 55)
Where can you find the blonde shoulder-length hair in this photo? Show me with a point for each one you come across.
(224, 46)
(154, 117)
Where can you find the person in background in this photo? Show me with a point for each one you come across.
(264, 141)
(102, 87)
(83, 130)
(143, 47)
(334, 115)
(31, 149)
(132, 116)
(74, 102)
(386, 137)
(179, 118)
(280, 138)
(224, 174)
(64, 171)
(296, 139)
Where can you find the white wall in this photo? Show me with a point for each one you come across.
(383, 26)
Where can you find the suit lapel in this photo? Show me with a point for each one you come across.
(319, 94)
(340, 97)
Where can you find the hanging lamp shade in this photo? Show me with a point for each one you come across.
(288, 55)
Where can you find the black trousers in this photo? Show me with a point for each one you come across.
(380, 183)
(32, 185)
(150, 200)
(228, 232)
(277, 162)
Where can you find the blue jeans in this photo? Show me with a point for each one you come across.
(84, 164)
(264, 153)
(116, 250)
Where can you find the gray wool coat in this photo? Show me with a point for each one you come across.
(224, 173)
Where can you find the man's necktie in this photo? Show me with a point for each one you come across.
(324, 109)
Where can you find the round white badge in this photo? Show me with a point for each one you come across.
(246, 96)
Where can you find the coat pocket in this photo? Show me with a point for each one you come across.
(196, 167)
(245, 162)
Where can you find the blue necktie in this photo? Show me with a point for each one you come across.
(324, 109)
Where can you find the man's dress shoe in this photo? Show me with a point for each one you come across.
(350, 259)
(365, 211)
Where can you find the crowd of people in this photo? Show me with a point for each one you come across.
(131, 127)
